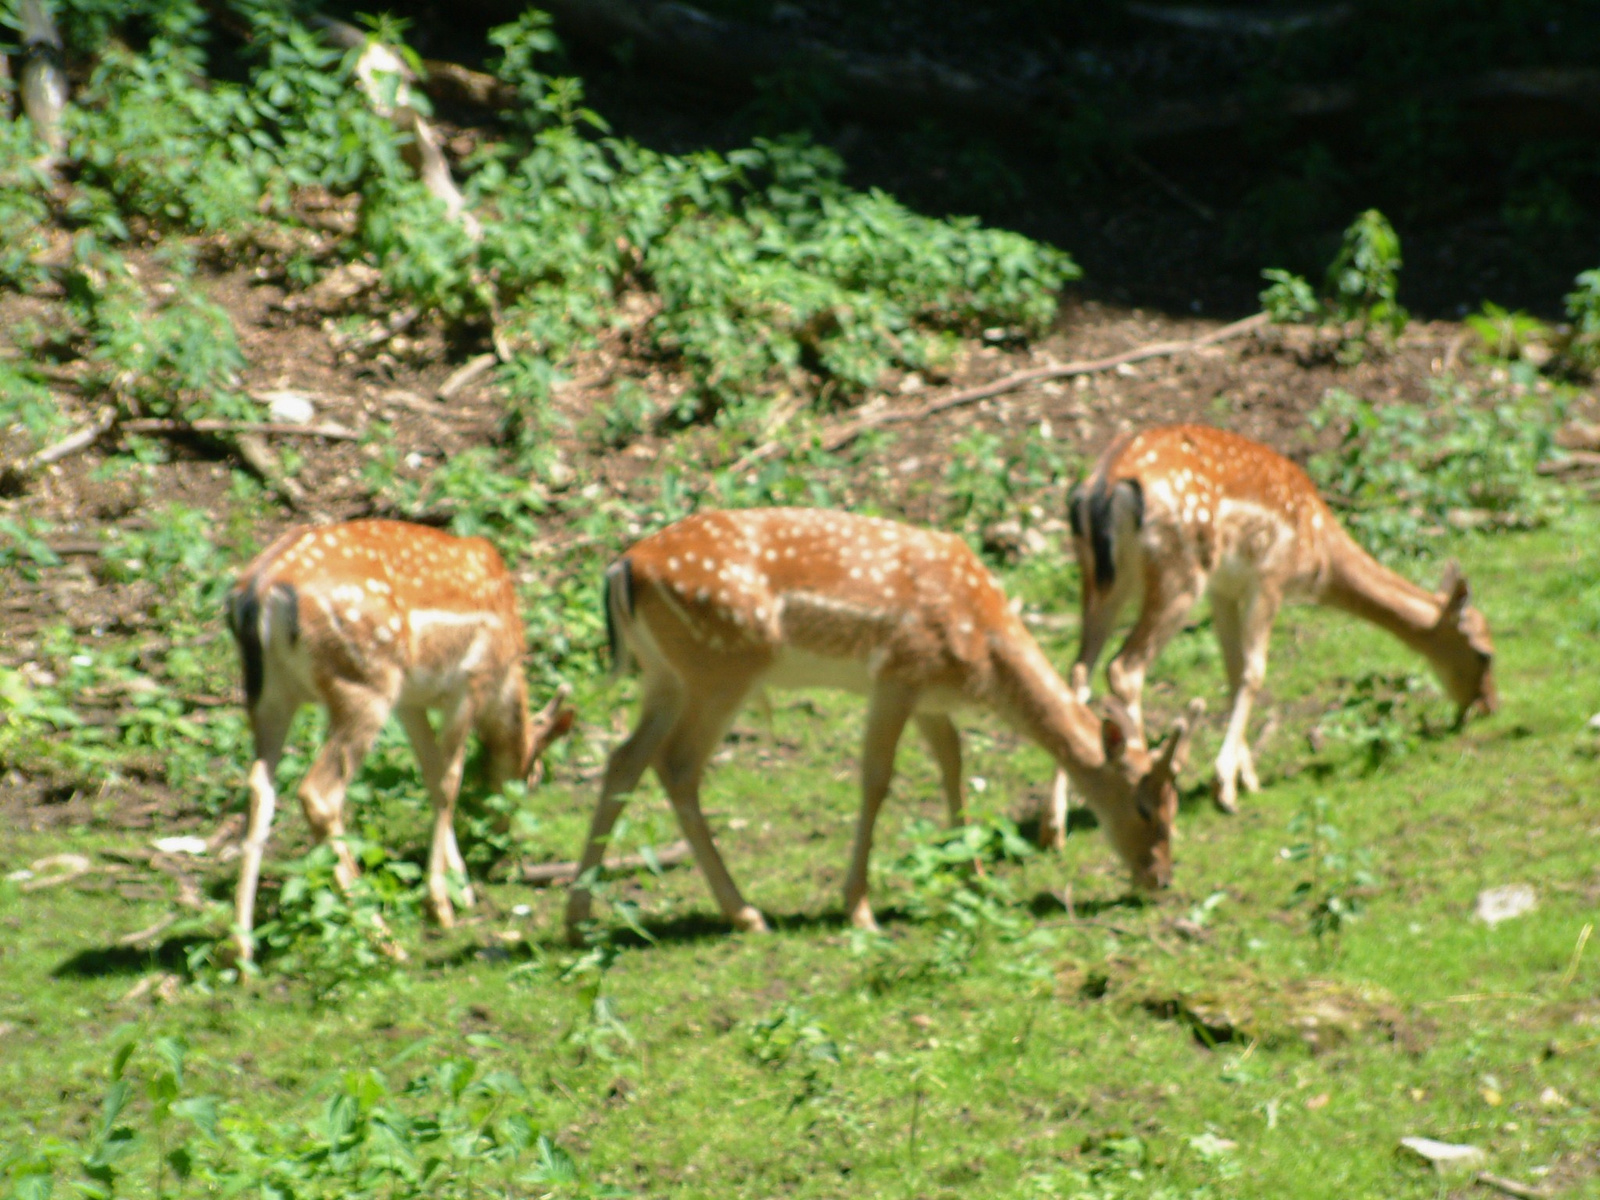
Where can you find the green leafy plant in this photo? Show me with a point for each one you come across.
(1403, 474)
(1362, 286)
(1376, 715)
(450, 1130)
(337, 939)
(1583, 307)
(1511, 335)
(1331, 890)
(1364, 278)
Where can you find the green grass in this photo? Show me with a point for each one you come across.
(1054, 1059)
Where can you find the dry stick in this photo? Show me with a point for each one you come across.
(334, 433)
(842, 437)
(1523, 1191)
(466, 374)
(564, 872)
(72, 444)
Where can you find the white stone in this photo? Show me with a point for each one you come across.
(1502, 903)
(292, 408)
(180, 845)
(1446, 1156)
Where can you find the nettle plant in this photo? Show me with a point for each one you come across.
(1360, 292)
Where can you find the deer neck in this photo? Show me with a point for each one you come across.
(1360, 585)
(1034, 699)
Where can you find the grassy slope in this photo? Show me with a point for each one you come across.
(1012, 1086)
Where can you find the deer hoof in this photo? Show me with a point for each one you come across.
(749, 920)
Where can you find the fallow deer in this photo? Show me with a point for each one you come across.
(722, 603)
(368, 618)
(1170, 512)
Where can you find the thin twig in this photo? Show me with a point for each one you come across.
(1204, 211)
(166, 425)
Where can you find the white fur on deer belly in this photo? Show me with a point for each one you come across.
(437, 687)
(1252, 538)
(792, 668)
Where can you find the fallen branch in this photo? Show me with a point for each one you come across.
(258, 456)
(1575, 460)
(842, 436)
(1510, 1187)
(166, 425)
(545, 874)
(74, 443)
(466, 374)
(67, 867)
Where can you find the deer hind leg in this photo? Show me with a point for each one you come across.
(1244, 627)
(441, 759)
(658, 713)
(887, 712)
(355, 716)
(1170, 591)
(944, 743)
(1053, 816)
(269, 724)
(681, 763)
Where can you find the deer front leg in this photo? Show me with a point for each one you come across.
(355, 716)
(441, 760)
(1244, 627)
(1053, 816)
(889, 709)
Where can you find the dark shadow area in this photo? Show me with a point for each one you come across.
(1174, 151)
(1052, 903)
(171, 955)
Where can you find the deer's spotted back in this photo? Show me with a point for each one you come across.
(389, 583)
(1231, 496)
(830, 583)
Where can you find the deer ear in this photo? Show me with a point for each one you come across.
(1112, 739)
(1456, 595)
(1078, 681)
(1118, 730)
(1176, 755)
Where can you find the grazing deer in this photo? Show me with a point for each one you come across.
(366, 618)
(1170, 512)
(722, 603)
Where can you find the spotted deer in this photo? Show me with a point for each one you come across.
(1170, 512)
(368, 618)
(723, 603)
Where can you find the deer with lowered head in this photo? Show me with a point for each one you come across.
(723, 603)
(372, 617)
(1171, 512)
